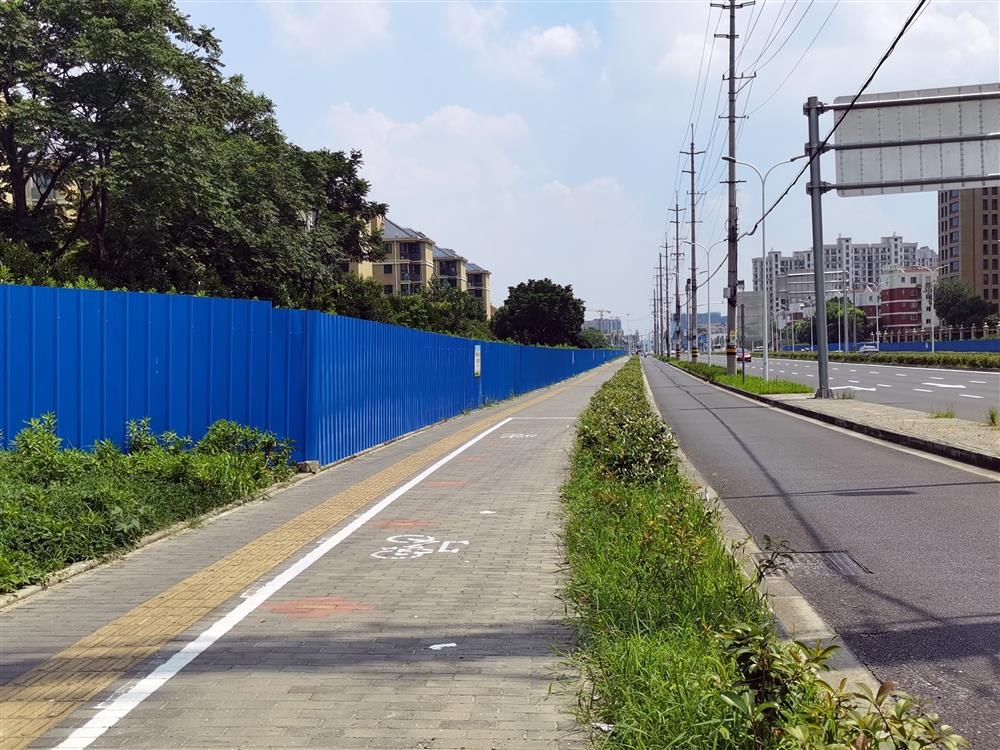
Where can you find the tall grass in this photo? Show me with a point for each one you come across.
(676, 645)
(750, 383)
(60, 506)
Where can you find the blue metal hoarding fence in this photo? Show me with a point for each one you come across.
(334, 385)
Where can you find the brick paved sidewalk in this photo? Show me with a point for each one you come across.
(430, 622)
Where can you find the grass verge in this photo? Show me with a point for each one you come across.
(957, 360)
(677, 647)
(752, 383)
(60, 506)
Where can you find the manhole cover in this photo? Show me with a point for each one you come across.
(813, 564)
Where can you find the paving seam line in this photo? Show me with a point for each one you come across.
(40, 699)
(796, 616)
(15, 598)
(945, 450)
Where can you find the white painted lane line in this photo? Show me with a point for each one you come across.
(850, 388)
(853, 370)
(979, 382)
(900, 375)
(873, 372)
(968, 395)
(943, 385)
(853, 381)
(883, 385)
(120, 707)
(924, 390)
(809, 376)
(934, 378)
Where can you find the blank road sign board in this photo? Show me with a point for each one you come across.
(924, 163)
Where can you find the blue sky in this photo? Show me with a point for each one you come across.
(541, 139)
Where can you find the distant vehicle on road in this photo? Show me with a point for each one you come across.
(759, 349)
(743, 355)
(868, 348)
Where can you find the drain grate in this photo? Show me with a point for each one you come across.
(814, 564)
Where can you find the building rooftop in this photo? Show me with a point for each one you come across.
(446, 253)
(473, 268)
(392, 231)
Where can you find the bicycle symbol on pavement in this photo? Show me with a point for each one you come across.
(413, 546)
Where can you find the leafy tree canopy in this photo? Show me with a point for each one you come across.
(131, 159)
(539, 311)
(591, 338)
(957, 304)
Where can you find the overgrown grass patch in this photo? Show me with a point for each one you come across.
(60, 506)
(677, 646)
(750, 384)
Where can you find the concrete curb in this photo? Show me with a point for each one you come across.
(953, 452)
(796, 618)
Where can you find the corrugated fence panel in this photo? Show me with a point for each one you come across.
(335, 386)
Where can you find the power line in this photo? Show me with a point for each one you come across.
(773, 35)
(797, 62)
(921, 4)
(787, 38)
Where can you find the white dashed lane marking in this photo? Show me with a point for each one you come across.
(944, 385)
(924, 390)
(968, 395)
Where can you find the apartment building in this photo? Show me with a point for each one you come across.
(413, 261)
(969, 239)
(450, 268)
(905, 299)
(408, 262)
(479, 287)
(847, 265)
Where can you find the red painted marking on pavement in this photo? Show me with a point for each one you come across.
(402, 523)
(442, 483)
(314, 608)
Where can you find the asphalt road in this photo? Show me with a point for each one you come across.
(968, 393)
(927, 615)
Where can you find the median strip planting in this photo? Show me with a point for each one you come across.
(749, 383)
(60, 506)
(957, 360)
(676, 646)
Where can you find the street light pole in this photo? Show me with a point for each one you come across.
(763, 239)
(933, 311)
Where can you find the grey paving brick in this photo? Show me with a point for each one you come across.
(368, 677)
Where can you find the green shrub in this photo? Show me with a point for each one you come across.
(676, 646)
(60, 506)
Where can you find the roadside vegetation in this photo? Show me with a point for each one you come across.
(948, 413)
(751, 384)
(958, 360)
(677, 647)
(993, 417)
(61, 505)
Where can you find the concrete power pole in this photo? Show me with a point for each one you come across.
(677, 276)
(732, 272)
(659, 313)
(694, 266)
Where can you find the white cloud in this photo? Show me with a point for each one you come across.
(472, 181)
(482, 29)
(330, 30)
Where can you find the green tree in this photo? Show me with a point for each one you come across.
(591, 338)
(442, 309)
(131, 159)
(540, 311)
(957, 304)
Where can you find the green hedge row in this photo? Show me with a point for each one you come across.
(960, 360)
(60, 506)
(676, 647)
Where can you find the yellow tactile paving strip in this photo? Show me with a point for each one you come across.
(38, 700)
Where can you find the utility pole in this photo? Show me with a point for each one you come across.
(677, 275)
(694, 266)
(732, 273)
(659, 316)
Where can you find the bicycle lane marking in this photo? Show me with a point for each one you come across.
(123, 704)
